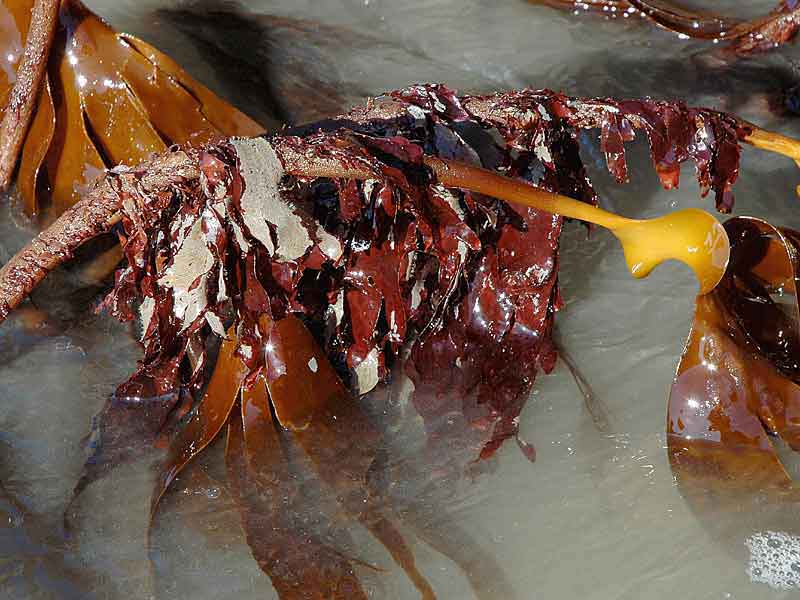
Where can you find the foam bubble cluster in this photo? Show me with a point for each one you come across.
(774, 559)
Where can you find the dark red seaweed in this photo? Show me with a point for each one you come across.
(465, 282)
(238, 249)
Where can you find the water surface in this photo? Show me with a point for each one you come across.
(599, 514)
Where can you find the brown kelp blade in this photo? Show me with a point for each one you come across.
(15, 19)
(697, 24)
(310, 390)
(224, 117)
(104, 75)
(298, 563)
(72, 159)
(343, 444)
(744, 36)
(450, 538)
(737, 380)
(209, 417)
(35, 149)
(112, 99)
(311, 401)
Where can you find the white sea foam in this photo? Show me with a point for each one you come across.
(774, 559)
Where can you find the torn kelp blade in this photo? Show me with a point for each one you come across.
(268, 494)
(346, 450)
(737, 381)
(36, 146)
(312, 402)
(218, 112)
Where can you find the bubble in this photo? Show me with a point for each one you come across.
(773, 559)
(213, 493)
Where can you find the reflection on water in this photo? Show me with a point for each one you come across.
(598, 515)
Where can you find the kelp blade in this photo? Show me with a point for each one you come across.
(335, 433)
(737, 380)
(209, 417)
(299, 565)
(116, 99)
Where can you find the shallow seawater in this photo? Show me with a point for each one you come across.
(598, 515)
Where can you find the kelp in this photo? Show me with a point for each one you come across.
(737, 383)
(310, 400)
(108, 98)
(23, 96)
(742, 37)
(733, 424)
(373, 266)
(237, 249)
(261, 268)
(389, 255)
(546, 119)
(299, 563)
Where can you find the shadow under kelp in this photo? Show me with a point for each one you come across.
(34, 559)
(300, 70)
(760, 89)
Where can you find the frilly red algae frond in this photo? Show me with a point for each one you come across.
(743, 37)
(675, 132)
(108, 98)
(737, 383)
(536, 123)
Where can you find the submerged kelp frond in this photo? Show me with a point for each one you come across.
(742, 37)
